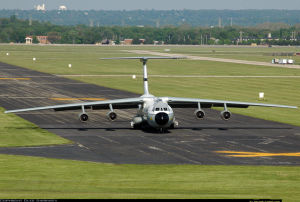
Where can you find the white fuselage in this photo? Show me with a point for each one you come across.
(156, 112)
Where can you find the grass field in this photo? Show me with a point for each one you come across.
(30, 177)
(15, 132)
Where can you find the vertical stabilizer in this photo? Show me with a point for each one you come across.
(146, 87)
(144, 60)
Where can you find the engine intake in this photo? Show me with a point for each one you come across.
(83, 117)
(225, 115)
(200, 114)
(161, 118)
(112, 116)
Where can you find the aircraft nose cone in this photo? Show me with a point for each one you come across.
(162, 118)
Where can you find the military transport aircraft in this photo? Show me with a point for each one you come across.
(154, 112)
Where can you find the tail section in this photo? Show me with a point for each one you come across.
(146, 87)
(144, 60)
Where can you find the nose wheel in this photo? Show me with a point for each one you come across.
(135, 126)
(174, 125)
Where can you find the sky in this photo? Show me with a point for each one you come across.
(152, 4)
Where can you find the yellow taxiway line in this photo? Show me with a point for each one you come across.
(15, 78)
(256, 154)
(71, 99)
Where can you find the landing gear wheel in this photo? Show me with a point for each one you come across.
(135, 126)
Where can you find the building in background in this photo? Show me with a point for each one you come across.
(128, 41)
(62, 8)
(28, 40)
(43, 39)
(40, 7)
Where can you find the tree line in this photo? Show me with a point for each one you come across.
(15, 30)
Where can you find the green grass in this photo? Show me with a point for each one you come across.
(49, 178)
(261, 54)
(30, 177)
(15, 132)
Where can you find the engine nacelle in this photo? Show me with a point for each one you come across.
(137, 120)
(83, 117)
(225, 115)
(200, 114)
(112, 116)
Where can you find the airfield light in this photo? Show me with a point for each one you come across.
(133, 76)
(70, 65)
(34, 59)
(7, 54)
(261, 96)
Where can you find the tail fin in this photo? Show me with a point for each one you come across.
(144, 60)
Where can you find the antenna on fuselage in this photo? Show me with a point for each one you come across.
(144, 60)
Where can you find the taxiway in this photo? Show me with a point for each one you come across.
(208, 142)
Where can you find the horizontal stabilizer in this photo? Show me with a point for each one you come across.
(142, 58)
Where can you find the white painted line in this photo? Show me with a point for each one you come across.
(181, 76)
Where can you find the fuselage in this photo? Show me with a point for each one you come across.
(156, 112)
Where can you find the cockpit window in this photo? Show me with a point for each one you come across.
(156, 109)
(165, 109)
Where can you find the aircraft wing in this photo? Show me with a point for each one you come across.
(129, 103)
(193, 103)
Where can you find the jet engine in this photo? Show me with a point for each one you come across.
(83, 117)
(137, 120)
(225, 115)
(162, 118)
(200, 114)
(112, 116)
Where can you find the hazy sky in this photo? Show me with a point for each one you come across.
(152, 4)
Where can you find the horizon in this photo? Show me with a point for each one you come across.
(156, 9)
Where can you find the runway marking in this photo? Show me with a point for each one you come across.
(155, 148)
(71, 99)
(7, 96)
(257, 154)
(82, 146)
(15, 79)
(182, 76)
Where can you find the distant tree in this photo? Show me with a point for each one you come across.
(117, 42)
(34, 40)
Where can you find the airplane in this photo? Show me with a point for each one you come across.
(152, 112)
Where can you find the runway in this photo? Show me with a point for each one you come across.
(241, 141)
(192, 57)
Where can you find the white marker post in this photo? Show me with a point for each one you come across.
(261, 96)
